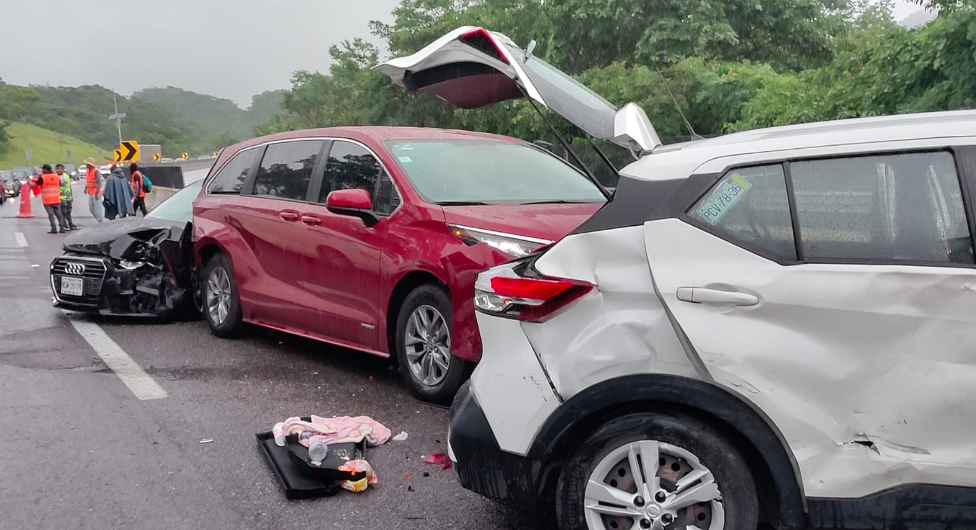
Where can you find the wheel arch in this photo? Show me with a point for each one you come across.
(407, 283)
(767, 452)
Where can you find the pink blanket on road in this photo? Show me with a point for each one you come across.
(333, 430)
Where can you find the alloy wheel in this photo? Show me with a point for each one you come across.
(647, 485)
(427, 343)
(218, 295)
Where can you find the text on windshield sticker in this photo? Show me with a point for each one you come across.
(723, 198)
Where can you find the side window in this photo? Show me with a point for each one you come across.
(898, 207)
(750, 207)
(351, 166)
(231, 177)
(287, 169)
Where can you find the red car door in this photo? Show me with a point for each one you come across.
(275, 235)
(344, 279)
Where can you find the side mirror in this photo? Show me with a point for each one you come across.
(633, 130)
(353, 202)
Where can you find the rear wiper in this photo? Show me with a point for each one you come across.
(460, 203)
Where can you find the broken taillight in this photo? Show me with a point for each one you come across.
(503, 291)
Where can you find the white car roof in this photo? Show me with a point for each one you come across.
(677, 161)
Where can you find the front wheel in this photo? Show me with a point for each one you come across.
(222, 306)
(423, 345)
(656, 471)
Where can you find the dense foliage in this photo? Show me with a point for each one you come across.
(82, 112)
(217, 114)
(732, 64)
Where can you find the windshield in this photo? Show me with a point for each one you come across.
(6, 175)
(489, 172)
(567, 96)
(179, 207)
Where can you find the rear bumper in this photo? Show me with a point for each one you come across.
(482, 466)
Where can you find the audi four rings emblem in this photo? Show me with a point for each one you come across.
(74, 268)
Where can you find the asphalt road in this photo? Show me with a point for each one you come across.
(81, 451)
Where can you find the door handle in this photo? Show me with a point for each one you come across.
(701, 295)
(311, 220)
(288, 215)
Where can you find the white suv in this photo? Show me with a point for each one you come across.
(771, 326)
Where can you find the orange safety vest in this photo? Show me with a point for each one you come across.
(50, 189)
(91, 181)
(137, 185)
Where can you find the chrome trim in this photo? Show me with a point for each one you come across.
(503, 234)
(313, 138)
(54, 289)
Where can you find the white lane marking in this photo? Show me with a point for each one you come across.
(134, 377)
(21, 240)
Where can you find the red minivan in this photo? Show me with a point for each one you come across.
(371, 237)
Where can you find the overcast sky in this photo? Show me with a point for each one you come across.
(227, 48)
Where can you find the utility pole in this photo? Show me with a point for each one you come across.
(117, 116)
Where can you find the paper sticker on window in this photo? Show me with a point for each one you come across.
(723, 198)
(405, 159)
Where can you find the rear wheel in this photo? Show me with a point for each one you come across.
(222, 306)
(423, 345)
(660, 472)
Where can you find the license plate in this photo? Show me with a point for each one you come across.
(72, 286)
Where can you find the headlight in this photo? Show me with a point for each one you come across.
(74, 173)
(511, 244)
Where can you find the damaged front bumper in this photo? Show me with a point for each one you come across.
(115, 287)
(482, 466)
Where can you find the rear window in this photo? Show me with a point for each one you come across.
(231, 177)
(471, 171)
(179, 207)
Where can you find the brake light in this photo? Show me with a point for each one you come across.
(482, 41)
(503, 292)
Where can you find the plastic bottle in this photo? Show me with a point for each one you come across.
(317, 450)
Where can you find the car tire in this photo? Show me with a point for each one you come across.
(422, 362)
(682, 445)
(220, 287)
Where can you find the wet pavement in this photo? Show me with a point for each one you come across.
(81, 451)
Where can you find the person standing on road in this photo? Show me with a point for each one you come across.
(138, 189)
(66, 196)
(118, 195)
(50, 185)
(93, 188)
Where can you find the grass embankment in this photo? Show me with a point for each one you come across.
(48, 147)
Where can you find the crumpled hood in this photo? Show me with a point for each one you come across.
(121, 238)
(541, 221)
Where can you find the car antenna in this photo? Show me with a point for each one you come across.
(589, 174)
(694, 135)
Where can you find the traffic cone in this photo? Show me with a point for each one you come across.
(25, 200)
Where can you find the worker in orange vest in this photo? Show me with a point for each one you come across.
(50, 184)
(138, 189)
(93, 188)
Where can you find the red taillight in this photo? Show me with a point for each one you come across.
(502, 292)
(480, 39)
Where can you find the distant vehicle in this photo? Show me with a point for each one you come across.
(204, 157)
(137, 266)
(71, 169)
(371, 237)
(166, 160)
(21, 176)
(10, 183)
(105, 170)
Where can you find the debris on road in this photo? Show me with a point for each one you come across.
(439, 459)
(207, 441)
(402, 437)
(357, 467)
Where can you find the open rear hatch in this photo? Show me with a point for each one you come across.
(472, 67)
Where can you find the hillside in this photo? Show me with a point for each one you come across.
(49, 147)
(83, 112)
(218, 114)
